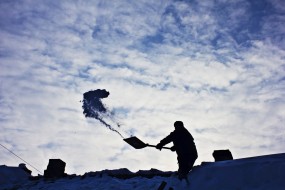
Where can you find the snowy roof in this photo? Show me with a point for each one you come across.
(263, 172)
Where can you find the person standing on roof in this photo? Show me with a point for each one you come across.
(184, 146)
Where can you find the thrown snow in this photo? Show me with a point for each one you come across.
(263, 172)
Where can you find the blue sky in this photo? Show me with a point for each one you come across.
(219, 66)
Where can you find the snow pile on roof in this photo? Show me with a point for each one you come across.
(12, 177)
(124, 173)
(263, 172)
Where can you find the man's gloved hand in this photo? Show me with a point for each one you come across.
(173, 148)
(159, 146)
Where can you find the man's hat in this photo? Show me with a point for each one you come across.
(178, 124)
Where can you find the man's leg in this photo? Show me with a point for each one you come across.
(191, 163)
(185, 167)
(182, 170)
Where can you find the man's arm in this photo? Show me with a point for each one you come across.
(165, 141)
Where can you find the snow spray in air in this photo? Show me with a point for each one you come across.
(94, 108)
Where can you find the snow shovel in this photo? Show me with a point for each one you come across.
(138, 144)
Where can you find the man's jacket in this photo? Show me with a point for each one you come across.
(183, 144)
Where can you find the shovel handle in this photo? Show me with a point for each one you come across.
(155, 146)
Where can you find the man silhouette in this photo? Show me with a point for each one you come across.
(184, 146)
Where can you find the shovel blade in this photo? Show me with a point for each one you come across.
(135, 142)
